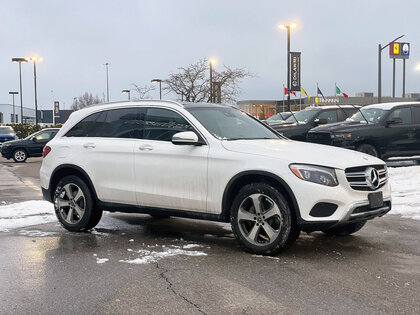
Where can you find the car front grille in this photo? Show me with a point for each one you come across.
(367, 178)
(319, 137)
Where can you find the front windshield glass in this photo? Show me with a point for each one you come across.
(6, 131)
(231, 124)
(31, 135)
(302, 116)
(373, 115)
(274, 119)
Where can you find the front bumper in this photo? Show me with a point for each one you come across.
(6, 152)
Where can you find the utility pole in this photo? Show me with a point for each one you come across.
(107, 82)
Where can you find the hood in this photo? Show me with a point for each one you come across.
(12, 141)
(302, 152)
(342, 126)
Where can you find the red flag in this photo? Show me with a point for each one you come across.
(285, 91)
(291, 92)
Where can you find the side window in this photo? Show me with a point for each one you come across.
(162, 124)
(416, 110)
(403, 113)
(43, 136)
(123, 123)
(88, 127)
(348, 112)
(329, 115)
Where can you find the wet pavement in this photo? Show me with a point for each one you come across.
(133, 264)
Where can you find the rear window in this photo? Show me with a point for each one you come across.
(7, 131)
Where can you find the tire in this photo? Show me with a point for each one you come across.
(74, 205)
(368, 149)
(20, 155)
(257, 232)
(344, 230)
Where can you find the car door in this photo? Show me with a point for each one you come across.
(38, 142)
(400, 137)
(167, 175)
(416, 127)
(104, 144)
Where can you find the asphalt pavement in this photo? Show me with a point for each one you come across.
(136, 264)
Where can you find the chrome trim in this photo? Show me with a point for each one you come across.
(348, 213)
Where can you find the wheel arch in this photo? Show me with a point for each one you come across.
(70, 169)
(243, 178)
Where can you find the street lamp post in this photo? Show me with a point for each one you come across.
(107, 81)
(13, 95)
(20, 60)
(288, 27)
(212, 62)
(34, 60)
(160, 86)
(127, 92)
(380, 48)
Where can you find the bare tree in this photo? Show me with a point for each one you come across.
(142, 91)
(192, 83)
(85, 100)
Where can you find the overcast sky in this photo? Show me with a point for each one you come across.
(143, 40)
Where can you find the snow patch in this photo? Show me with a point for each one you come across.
(35, 233)
(150, 256)
(405, 183)
(191, 246)
(27, 213)
(101, 260)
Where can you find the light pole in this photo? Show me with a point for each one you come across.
(212, 62)
(160, 86)
(127, 92)
(20, 60)
(107, 82)
(13, 95)
(380, 48)
(288, 27)
(34, 60)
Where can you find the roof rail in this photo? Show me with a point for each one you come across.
(145, 100)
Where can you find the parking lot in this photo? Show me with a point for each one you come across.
(137, 264)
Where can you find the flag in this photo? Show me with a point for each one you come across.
(286, 92)
(319, 92)
(339, 92)
(304, 92)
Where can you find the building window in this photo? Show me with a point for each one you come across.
(1, 117)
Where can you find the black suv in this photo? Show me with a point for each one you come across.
(382, 130)
(297, 125)
(31, 146)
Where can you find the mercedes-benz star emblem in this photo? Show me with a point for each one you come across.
(372, 177)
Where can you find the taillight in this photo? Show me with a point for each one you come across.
(45, 151)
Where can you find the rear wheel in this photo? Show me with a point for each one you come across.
(368, 149)
(347, 229)
(74, 205)
(262, 220)
(20, 155)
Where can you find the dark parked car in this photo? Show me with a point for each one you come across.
(31, 146)
(382, 130)
(297, 125)
(6, 134)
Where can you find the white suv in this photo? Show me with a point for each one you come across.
(211, 162)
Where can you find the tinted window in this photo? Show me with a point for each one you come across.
(329, 115)
(403, 113)
(115, 123)
(417, 113)
(43, 136)
(348, 112)
(303, 116)
(162, 124)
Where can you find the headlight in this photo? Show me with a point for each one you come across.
(315, 174)
(341, 136)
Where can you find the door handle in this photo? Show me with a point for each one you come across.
(145, 147)
(89, 145)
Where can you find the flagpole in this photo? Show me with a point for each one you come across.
(300, 100)
(283, 98)
(335, 91)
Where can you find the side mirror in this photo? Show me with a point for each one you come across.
(34, 140)
(394, 121)
(185, 138)
(322, 121)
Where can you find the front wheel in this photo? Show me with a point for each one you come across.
(262, 220)
(368, 149)
(347, 229)
(74, 205)
(20, 156)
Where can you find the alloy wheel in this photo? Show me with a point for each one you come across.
(71, 203)
(20, 156)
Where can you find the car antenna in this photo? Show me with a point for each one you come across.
(358, 109)
(294, 114)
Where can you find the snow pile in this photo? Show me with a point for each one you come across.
(405, 185)
(22, 214)
(150, 256)
(35, 233)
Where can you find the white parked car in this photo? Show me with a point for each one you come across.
(211, 162)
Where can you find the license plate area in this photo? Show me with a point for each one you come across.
(376, 200)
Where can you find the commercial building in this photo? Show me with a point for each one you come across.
(263, 109)
(11, 114)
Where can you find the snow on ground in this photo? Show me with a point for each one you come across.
(27, 213)
(405, 185)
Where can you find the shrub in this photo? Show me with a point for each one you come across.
(22, 131)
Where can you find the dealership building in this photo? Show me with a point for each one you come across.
(263, 109)
(11, 114)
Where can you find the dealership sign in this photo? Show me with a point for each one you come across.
(295, 71)
(399, 50)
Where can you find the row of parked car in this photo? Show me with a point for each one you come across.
(382, 130)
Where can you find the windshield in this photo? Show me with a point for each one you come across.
(231, 124)
(373, 115)
(303, 116)
(6, 131)
(274, 119)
